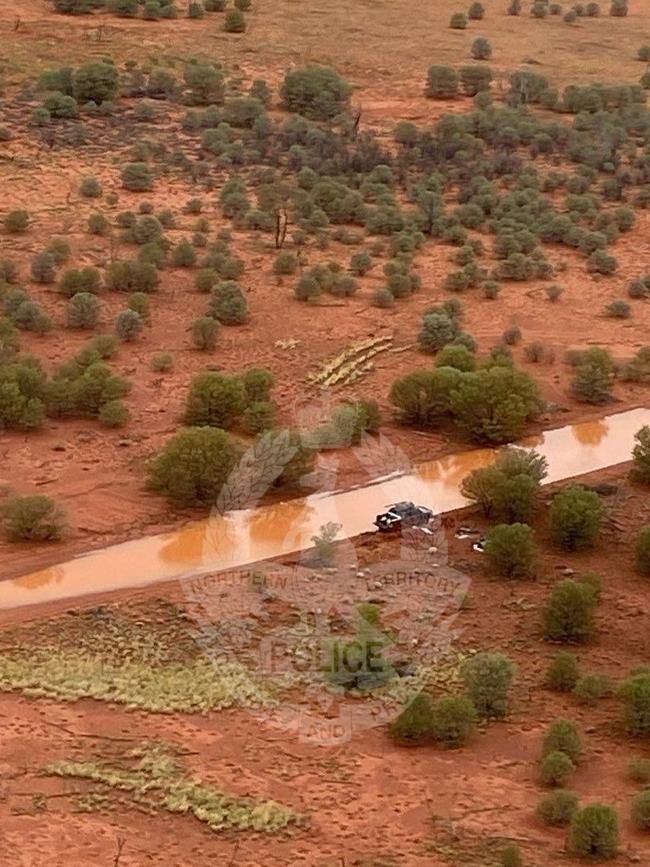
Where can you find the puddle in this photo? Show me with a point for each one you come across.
(244, 537)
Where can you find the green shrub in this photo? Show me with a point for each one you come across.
(98, 224)
(59, 249)
(82, 311)
(475, 79)
(215, 399)
(139, 301)
(128, 324)
(591, 687)
(258, 383)
(75, 280)
(476, 12)
(33, 518)
(639, 770)
(90, 188)
(162, 362)
(205, 82)
(259, 416)
(205, 330)
(95, 82)
(442, 82)
(43, 268)
(228, 303)
(508, 489)
(131, 276)
(563, 673)
(563, 737)
(642, 551)
(555, 769)
(640, 471)
(315, 92)
(481, 49)
(594, 376)
(510, 856)
(575, 517)
(193, 466)
(137, 177)
(114, 414)
(234, 22)
(285, 263)
(641, 811)
(453, 720)
(183, 255)
(635, 694)
(16, 222)
(424, 396)
(23, 386)
(414, 724)
(457, 356)
(9, 341)
(558, 808)
(458, 21)
(594, 832)
(494, 404)
(57, 105)
(30, 316)
(511, 550)
(360, 263)
(570, 613)
(488, 678)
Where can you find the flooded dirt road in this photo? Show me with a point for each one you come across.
(252, 535)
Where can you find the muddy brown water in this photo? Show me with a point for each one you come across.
(249, 536)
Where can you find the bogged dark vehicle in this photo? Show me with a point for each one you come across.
(401, 515)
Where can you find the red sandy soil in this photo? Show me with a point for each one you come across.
(369, 802)
(98, 475)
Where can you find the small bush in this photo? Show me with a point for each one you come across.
(315, 92)
(642, 551)
(90, 188)
(591, 687)
(639, 770)
(453, 719)
(594, 832)
(234, 22)
(86, 280)
(563, 673)
(555, 769)
(285, 263)
(34, 518)
(481, 49)
(414, 724)
(137, 177)
(215, 399)
(162, 362)
(575, 517)
(557, 809)
(16, 222)
(183, 255)
(511, 550)
(139, 301)
(193, 466)
(43, 268)
(205, 330)
(488, 678)
(128, 324)
(82, 311)
(562, 737)
(570, 613)
(458, 21)
(442, 82)
(640, 471)
(114, 414)
(259, 416)
(635, 694)
(619, 309)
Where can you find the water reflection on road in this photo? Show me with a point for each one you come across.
(250, 536)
